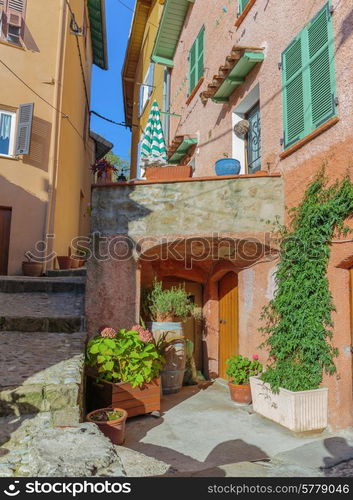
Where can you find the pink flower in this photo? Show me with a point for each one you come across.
(108, 332)
(145, 335)
(255, 356)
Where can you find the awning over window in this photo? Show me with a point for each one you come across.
(237, 65)
(180, 148)
(170, 27)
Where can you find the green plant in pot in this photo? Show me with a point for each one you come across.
(239, 370)
(165, 305)
(124, 357)
(168, 308)
(297, 321)
(123, 369)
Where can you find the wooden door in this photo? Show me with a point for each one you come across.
(228, 320)
(5, 227)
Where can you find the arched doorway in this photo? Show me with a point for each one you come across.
(228, 320)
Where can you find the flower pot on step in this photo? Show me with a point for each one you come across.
(32, 268)
(64, 261)
(75, 263)
(135, 400)
(298, 411)
(112, 429)
(240, 393)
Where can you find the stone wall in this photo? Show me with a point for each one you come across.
(234, 205)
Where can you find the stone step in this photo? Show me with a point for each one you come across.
(24, 284)
(56, 273)
(41, 304)
(59, 324)
(42, 374)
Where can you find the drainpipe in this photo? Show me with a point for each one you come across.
(55, 135)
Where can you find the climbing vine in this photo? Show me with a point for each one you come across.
(297, 321)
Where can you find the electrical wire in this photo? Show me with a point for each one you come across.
(133, 11)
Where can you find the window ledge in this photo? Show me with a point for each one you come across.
(5, 42)
(195, 89)
(309, 137)
(7, 157)
(243, 15)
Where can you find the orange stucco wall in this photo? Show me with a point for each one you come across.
(273, 25)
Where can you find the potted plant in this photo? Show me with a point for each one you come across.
(31, 268)
(297, 321)
(104, 170)
(168, 308)
(240, 369)
(111, 421)
(123, 371)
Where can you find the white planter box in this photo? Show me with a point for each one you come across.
(298, 411)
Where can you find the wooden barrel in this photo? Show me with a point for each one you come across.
(172, 374)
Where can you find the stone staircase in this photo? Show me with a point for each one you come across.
(42, 341)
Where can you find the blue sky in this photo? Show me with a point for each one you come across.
(107, 97)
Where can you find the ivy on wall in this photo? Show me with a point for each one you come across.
(298, 323)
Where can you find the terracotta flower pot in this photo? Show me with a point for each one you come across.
(64, 261)
(75, 263)
(81, 262)
(240, 393)
(169, 173)
(32, 268)
(112, 429)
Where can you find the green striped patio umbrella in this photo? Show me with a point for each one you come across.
(153, 148)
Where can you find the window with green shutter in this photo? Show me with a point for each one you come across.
(196, 60)
(309, 82)
(242, 4)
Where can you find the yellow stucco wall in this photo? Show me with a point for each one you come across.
(24, 181)
(157, 94)
(76, 151)
(56, 172)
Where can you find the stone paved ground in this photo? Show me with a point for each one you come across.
(201, 432)
(40, 358)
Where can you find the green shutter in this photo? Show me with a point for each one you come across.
(309, 79)
(200, 52)
(196, 60)
(293, 93)
(192, 67)
(321, 67)
(242, 5)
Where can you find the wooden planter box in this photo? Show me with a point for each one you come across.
(170, 173)
(135, 400)
(298, 411)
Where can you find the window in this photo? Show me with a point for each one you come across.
(196, 60)
(12, 20)
(241, 5)
(253, 145)
(7, 132)
(309, 79)
(146, 88)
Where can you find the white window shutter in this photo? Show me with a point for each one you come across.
(24, 127)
